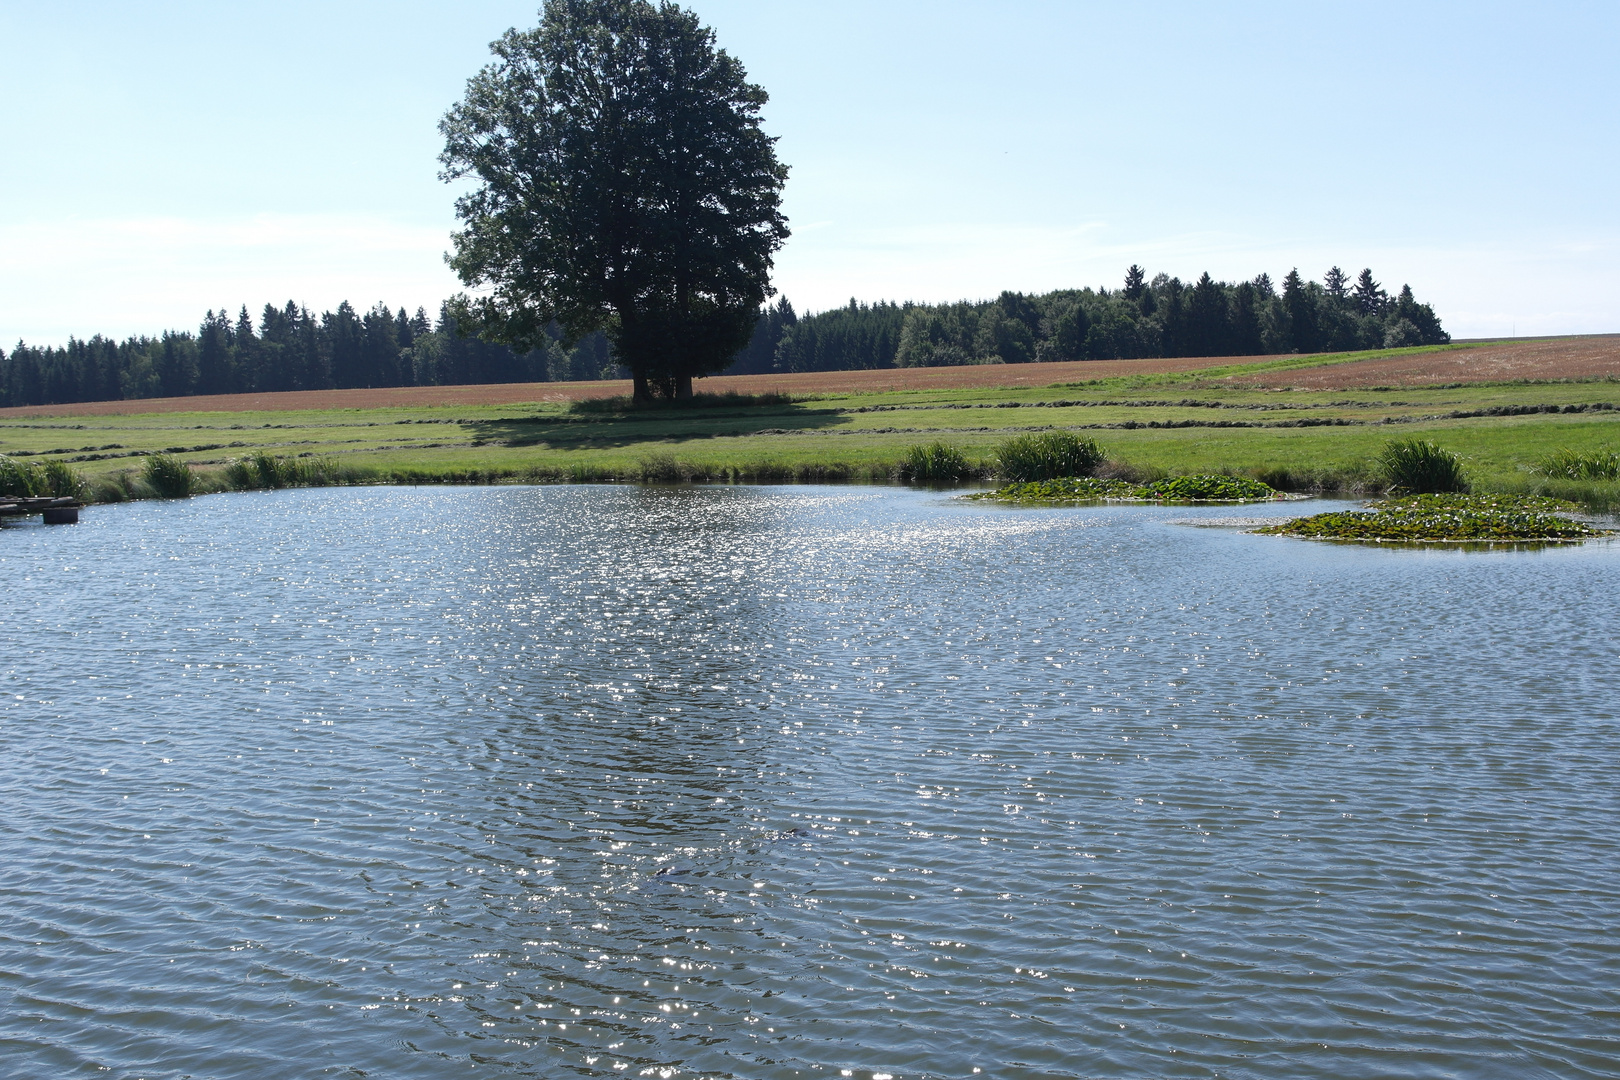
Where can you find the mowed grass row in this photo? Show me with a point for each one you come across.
(1156, 425)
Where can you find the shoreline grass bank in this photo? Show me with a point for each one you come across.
(1199, 422)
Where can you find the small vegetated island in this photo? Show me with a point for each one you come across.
(1447, 518)
(1428, 499)
(1058, 467)
(1430, 503)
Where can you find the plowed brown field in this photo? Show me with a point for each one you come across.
(1549, 358)
(810, 382)
(1552, 358)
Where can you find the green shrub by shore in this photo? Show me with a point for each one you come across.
(169, 476)
(264, 471)
(1419, 467)
(1050, 455)
(935, 463)
(32, 479)
(1446, 518)
(1572, 465)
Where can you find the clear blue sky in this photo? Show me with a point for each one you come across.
(164, 158)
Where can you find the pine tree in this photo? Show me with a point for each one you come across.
(1207, 319)
(216, 359)
(1421, 316)
(1245, 339)
(1134, 282)
(380, 347)
(1369, 298)
(1173, 339)
(343, 334)
(1335, 283)
(1301, 311)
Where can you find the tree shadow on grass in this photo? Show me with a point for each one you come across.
(662, 423)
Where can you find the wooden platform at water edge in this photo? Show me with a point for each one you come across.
(62, 511)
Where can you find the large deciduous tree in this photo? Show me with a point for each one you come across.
(623, 183)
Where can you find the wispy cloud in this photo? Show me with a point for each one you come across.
(82, 276)
(1556, 285)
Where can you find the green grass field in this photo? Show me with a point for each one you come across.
(1186, 423)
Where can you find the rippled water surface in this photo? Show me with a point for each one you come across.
(796, 782)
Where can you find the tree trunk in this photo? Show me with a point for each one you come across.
(683, 388)
(643, 394)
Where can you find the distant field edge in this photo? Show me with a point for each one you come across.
(1486, 360)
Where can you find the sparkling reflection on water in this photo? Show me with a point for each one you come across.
(796, 782)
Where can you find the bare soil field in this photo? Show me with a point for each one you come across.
(809, 382)
(1547, 358)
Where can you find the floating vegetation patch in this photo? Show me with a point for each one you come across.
(1208, 488)
(1172, 489)
(1449, 518)
(1070, 489)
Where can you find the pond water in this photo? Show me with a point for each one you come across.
(797, 782)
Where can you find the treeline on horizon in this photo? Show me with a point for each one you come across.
(291, 348)
(1164, 317)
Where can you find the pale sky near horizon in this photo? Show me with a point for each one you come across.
(157, 160)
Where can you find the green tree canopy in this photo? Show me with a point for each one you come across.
(623, 184)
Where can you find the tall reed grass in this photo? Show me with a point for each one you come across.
(1354, 479)
(1417, 467)
(1571, 465)
(170, 477)
(264, 471)
(1050, 455)
(934, 463)
(665, 468)
(32, 479)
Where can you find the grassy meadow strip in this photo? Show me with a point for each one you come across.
(1523, 437)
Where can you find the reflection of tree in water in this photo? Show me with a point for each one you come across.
(618, 650)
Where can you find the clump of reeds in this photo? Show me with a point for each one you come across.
(167, 475)
(934, 463)
(18, 479)
(1572, 465)
(1050, 455)
(62, 480)
(1417, 467)
(666, 469)
(31, 479)
(270, 471)
(1351, 479)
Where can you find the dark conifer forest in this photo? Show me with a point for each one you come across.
(290, 348)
